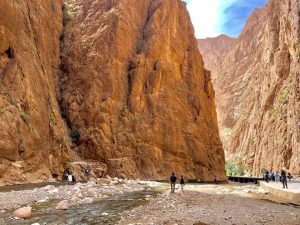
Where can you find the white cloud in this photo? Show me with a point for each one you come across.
(207, 16)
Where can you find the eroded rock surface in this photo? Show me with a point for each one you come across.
(258, 88)
(34, 142)
(124, 79)
(135, 88)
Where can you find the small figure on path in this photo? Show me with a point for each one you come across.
(267, 176)
(71, 179)
(66, 174)
(182, 182)
(216, 180)
(277, 176)
(289, 176)
(173, 179)
(283, 179)
(273, 176)
(87, 174)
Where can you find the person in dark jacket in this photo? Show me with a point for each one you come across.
(283, 179)
(182, 182)
(173, 179)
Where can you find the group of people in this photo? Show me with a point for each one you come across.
(173, 180)
(279, 177)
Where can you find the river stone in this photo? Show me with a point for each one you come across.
(87, 201)
(48, 187)
(62, 205)
(103, 181)
(23, 213)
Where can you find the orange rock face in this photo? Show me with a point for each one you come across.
(126, 76)
(33, 144)
(258, 88)
(135, 88)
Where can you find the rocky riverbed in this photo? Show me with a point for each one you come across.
(232, 204)
(95, 202)
(116, 201)
(79, 193)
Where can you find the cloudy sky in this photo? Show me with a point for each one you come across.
(214, 17)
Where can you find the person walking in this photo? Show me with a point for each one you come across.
(277, 176)
(70, 178)
(290, 177)
(283, 179)
(267, 176)
(216, 180)
(182, 182)
(87, 174)
(173, 179)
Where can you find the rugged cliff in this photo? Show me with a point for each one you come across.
(116, 82)
(135, 88)
(34, 143)
(257, 85)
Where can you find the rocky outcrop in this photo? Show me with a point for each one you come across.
(118, 83)
(257, 86)
(213, 51)
(34, 142)
(135, 89)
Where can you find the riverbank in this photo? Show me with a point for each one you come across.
(213, 204)
(79, 193)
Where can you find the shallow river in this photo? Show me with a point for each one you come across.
(104, 212)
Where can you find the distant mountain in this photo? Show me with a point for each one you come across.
(256, 78)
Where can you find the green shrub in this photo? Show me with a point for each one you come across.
(67, 15)
(234, 169)
(25, 117)
(52, 117)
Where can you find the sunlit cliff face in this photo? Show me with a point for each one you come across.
(117, 82)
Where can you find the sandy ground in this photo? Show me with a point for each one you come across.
(231, 204)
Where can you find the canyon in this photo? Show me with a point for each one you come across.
(117, 83)
(256, 78)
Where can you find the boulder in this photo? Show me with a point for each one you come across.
(62, 205)
(87, 201)
(23, 213)
(103, 181)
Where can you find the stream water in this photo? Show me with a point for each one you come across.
(104, 212)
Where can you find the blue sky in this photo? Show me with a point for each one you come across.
(214, 17)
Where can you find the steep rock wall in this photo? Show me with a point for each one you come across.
(33, 140)
(135, 88)
(257, 83)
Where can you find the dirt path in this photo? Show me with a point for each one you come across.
(209, 204)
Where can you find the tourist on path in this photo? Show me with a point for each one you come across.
(267, 176)
(173, 179)
(277, 176)
(87, 174)
(182, 182)
(216, 180)
(71, 179)
(289, 176)
(283, 179)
